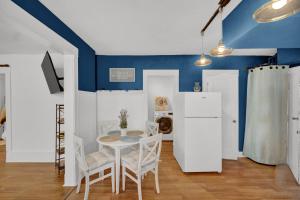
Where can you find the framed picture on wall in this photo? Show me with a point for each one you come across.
(121, 74)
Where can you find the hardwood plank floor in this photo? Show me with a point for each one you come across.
(240, 180)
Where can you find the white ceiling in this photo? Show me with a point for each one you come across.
(141, 27)
(23, 34)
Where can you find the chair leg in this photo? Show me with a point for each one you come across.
(87, 187)
(78, 182)
(157, 181)
(101, 173)
(140, 186)
(113, 178)
(123, 177)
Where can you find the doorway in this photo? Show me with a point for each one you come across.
(160, 87)
(226, 82)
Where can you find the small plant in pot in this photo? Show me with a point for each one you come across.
(123, 119)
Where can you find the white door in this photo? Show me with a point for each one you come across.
(294, 114)
(226, 82)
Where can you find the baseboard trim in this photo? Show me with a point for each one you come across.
(39, 157)
(241, 155)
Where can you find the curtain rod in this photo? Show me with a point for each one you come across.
(271, 66)
(5, 65)
(222, 4)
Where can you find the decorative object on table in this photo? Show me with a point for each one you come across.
(110, 138)
(114, 133)
(123, 119)
(121, 74)
(130, 138)
(134, 133)
(197, 87)
(161, 103)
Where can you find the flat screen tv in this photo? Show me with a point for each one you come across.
(51, 77)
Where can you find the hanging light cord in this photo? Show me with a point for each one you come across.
(202, 39)
(222, 4)
(221, 16)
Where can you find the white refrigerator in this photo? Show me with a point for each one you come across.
(198, 131)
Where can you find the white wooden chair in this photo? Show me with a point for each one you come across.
(92, 164)
(151, 128)
(142, 161)
(108, 125)
(104, 128)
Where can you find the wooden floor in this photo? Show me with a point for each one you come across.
(242, 179)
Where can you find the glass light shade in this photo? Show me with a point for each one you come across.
(203, 61)
(276, 10)
(220, 50)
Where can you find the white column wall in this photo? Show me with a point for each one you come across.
(32, 109)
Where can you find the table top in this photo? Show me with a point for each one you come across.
(119, 143)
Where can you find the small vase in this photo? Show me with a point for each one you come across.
(123, 132)
(197, 87)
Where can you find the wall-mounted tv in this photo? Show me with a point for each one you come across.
(51, 77)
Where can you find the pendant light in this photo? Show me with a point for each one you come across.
(203, 60)
(276, 10)
(221, 50)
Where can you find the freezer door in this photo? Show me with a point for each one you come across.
(203, 145)
(203, 104)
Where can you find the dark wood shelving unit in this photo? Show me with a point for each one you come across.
(60, 139)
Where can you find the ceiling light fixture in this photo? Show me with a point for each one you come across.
(203, 60)
(276, 10)
(221, 50)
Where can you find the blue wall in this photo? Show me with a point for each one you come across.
(288, 56)
(240, 30)
(188, 74)
(86, 57)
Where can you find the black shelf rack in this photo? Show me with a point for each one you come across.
(60, 139)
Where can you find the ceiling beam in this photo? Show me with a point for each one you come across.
(222, 4)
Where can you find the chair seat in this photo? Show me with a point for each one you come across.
(108, 151)
(132, 159)
(97, 159)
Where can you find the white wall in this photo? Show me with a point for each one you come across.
(2, 96)
(110, 103)
(86, 119)
(33, 109)
(160, 86)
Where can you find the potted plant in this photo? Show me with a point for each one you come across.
(123, 120)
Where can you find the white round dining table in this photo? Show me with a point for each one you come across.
(117, 146)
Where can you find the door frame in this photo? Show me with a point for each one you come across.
(207, 73)
(147, 73)
(6, 72)
(160, 73)
(290, 116)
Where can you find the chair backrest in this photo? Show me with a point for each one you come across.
(79, 153)
(150, 148)
(107, 126)
(151, 128)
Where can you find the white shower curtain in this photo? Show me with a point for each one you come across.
(266, 117)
